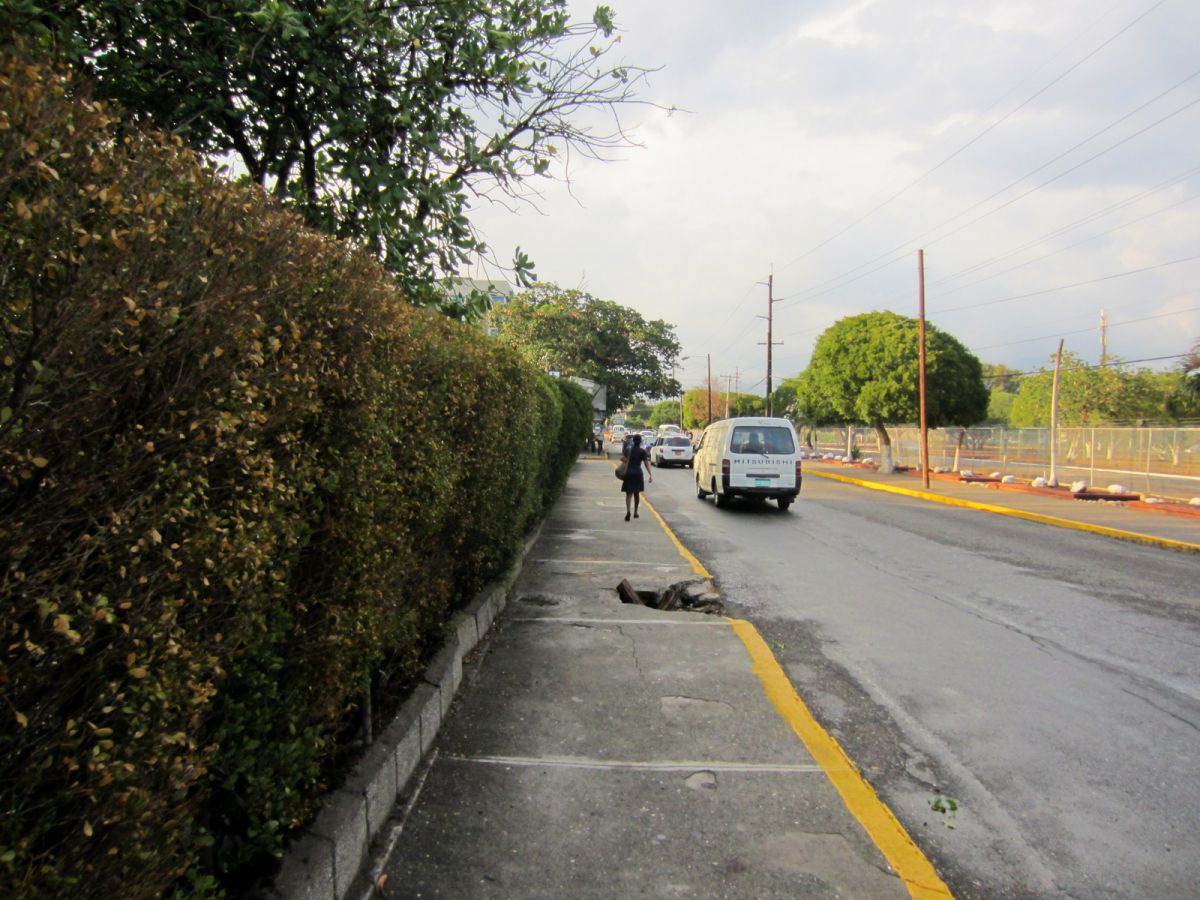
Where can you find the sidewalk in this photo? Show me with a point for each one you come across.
(605, 750)
(1177, 530)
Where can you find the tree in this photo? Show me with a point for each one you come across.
(665, 412)
(999, 377)
(380, 122)
(999, 407)
(864, 369)
(1190, 367)
(696, 404)
(573, 333)
(1089, 395)
(747, 405)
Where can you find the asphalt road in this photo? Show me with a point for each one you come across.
(1044, 680)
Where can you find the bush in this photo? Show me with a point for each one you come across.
(240, 478)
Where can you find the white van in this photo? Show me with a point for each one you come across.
(748, 457)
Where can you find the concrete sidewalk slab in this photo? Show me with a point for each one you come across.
(599, 749)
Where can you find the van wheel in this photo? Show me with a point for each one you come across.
(722, 500)
(701, 493)
(784, 503)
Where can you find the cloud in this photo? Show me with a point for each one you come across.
(832, 141)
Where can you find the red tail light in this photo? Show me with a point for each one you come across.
(725, 467)
(797, 470)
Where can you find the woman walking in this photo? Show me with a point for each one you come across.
(633, 483)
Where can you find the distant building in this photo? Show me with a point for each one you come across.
(497, 290)
(599, 395)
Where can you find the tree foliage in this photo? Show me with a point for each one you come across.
(380, 122)
(999, 377)
(239, 481)
(665, 412)
(864, 369)
(1190, 369)
(1089, 395)
(696, 404)
(573, 333)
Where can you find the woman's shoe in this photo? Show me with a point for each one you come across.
(635, 515)
(626, 517)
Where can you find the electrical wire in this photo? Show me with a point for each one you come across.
(1063, 287)
(1178, 312)
(981, 134)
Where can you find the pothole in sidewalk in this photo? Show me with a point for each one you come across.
(690, 596)
(702, 781)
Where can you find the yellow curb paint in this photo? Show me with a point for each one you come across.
(697, 566)
(1015, 513)
(860, 798)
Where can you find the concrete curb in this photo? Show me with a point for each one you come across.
(326, 862)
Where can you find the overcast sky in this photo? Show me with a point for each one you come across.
(1041, 153)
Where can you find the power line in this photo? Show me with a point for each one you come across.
(1107, 365)
(1178, 312)
(930, 231)
(981, 134)
(1063, 287)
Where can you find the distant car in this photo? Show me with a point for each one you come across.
(673, 450)
(647, 438)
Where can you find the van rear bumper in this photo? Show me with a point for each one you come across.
(770, 493)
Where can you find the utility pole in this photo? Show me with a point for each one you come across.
(709, 389)
(770, 317)
(921, 365)
(1054, 417)
(1103, 338)
(728, 380)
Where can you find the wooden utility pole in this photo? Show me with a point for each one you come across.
(921, 365)
(1054, 417)
(1103, 338)
(770, 317)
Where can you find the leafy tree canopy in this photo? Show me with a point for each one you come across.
(574, 333)
(1190, 367)
(999, 377)
(665, 412)
(1089, 395)
(864, 369)
(380, 122)
(696, 404)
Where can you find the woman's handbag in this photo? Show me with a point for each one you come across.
(622, 469)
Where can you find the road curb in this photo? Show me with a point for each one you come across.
(328, 861)
(1117, 533)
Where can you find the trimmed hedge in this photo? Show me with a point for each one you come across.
(239, 479)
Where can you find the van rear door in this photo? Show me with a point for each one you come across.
(762, 457)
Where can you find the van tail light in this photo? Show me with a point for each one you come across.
(725, 467)
(797, 470)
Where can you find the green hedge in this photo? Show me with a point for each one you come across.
(239, 479)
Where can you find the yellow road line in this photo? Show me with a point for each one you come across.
(881, 825)
(1015, 513)
(697, 566)
(860, 798)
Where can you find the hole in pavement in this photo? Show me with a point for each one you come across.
(690, 596)
(702, 781)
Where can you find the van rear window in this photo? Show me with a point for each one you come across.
(762, 439)
(677, 442)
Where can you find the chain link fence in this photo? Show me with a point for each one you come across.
(1160, 460)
